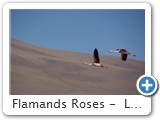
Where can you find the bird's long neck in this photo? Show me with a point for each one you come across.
(113, 51)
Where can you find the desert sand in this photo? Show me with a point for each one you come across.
(41, 71)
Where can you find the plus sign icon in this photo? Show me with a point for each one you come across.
(147, 85)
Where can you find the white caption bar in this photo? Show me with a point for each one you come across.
(78, 105)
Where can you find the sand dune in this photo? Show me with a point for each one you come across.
(41, 71)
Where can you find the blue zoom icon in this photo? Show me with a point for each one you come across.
(147, 85)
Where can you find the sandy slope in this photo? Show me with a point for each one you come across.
(41, 71)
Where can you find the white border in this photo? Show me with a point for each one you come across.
(7, 99)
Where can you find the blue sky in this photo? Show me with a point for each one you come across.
(81, 30)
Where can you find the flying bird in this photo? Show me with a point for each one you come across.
(96, 59)
(124, 53)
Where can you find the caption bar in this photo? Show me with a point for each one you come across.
(80, 105)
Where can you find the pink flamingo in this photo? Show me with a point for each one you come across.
(124, 53)
(96, 61)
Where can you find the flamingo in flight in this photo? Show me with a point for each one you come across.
(124, 53)
(96, 59)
